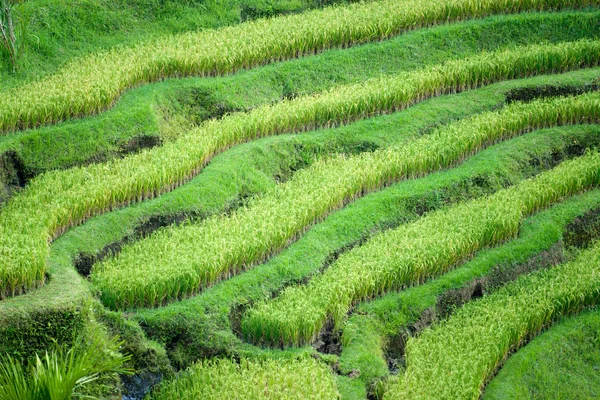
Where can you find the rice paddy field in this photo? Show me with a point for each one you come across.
(300, 199)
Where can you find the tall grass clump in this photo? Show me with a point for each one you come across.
(299, 379)
(455, 359)
(8, 30)
(178, 261)
(60, 373)
(411, 254)
(57, 200)
(91, 84)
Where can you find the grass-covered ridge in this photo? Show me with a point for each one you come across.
(57, 31)
(561, 361)
(84, 86)
(69, 197)
(478, 337)
(374, 335)
(411, 254)
(166, 110)
(228, 190)
(251, 169)
(177, 262)
(202, 323)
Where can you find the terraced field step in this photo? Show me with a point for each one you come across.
(163, 111)
(561, 361)
(477, 339)
(91, 84)
(177, 262)
(375, 334)
(70, 197)
(509, 162)
(269, 379)
(411, 254)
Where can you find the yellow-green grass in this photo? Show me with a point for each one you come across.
(59, 31)
(90, 84)
(411, 254)
(170, 108)
(249, 169)
(372, 331)
(299, 379)
(57, 200)
(560, 362)
(202, 324)
(455, 359)
(177, 262)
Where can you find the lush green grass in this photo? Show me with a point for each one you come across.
(70, 197)
(59, 31)
(168, 109)
(201, 325)
(267, 379)
(369, 330)
(61, 373)
(91, 84)
(270, 157)
(411, 254)
(179, 261)
(252, 168)
(208, 324)
(561, 363)
(455, 358)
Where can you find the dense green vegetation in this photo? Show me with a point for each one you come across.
(60, 373)
(70, 197)
(302, 227)
(91, 84)
(269, 379)
(462, 352)
(375, 334)
(413, 253)
(166, 110)
(561, 361)
(59, 31)
(226, 244)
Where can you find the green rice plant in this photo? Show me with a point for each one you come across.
(57, 200)
(179, 261)
(300, 379)
(373, 326)
(556, 364)
(58, 374)
(91, 84)
(411, 254)
(455, 358)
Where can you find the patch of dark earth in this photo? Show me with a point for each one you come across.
(14, 175)
(84, 261)
(527, 94)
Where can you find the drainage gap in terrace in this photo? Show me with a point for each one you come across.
(527, 94)
(84, 261)
(138, 143)
(583, 230)
(189, 107)
(14, 175)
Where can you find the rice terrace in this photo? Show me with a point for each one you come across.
(299, 199)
